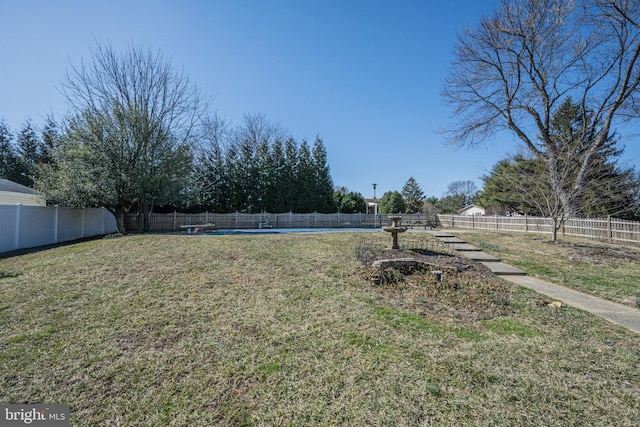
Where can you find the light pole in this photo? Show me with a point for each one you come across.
(375, 207)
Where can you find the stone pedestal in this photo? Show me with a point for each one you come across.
(394, 230)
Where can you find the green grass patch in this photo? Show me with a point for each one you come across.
(415, 324)
(506, 326)
(8, 274)
(408, 322)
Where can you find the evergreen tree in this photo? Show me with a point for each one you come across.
(392, 202)
(29, 153)
(323, 190)
(8, 157)
(254, 171)
(413, 196)
(263, 176)
(276, 195)
(348, 201)
(519, 184)
(50, 140)
(290, 185)
(305, 180)
(210, 176)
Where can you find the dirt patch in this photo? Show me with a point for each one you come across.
(464, 292)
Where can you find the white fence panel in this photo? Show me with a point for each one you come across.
(37, 227)
(31, 226)
(7, 227)
(94, 221)
(69, 224)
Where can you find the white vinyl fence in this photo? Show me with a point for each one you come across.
(31, 226)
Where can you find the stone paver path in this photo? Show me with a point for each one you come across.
(619, 314)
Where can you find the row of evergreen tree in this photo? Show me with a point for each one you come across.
(269, 174)
(21, 153)
(254, 167)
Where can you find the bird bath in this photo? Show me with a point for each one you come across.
(394, 229)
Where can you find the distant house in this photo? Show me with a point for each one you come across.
(12, 193)
(372, 205)
(471, 210)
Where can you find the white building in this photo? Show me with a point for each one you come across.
(12, 193)
(472, 210)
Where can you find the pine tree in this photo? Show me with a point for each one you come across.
(348, 201)
(290, 176)
(50, 140)
(29, 153)
(8, 156)
(413, 196)
(305, 180)
(323, 187)
(392, 202)
(276, 164)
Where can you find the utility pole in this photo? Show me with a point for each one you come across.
(375, 207)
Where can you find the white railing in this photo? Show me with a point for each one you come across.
(32, 226)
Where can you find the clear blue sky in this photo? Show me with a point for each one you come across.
(364, 75)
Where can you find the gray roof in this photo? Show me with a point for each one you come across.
(14, 187)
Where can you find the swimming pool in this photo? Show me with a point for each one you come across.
(289, 230)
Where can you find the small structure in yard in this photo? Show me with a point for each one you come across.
(394, 229)
(12, 193)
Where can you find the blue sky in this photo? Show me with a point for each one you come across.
(364, 75)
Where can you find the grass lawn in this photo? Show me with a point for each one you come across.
(610, 271)
(285, 330)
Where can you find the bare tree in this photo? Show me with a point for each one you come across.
(518, 67)
(134, 120)
(466, 189)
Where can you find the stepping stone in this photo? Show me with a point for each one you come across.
(502, 269)
(440, 234)
(463, 247)
(451, 240)
(480, 256)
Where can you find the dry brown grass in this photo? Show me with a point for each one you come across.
(283, 330)
(608, 270)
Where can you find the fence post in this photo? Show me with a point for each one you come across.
(55, 224)
(17, 230)
(83, 220)
(452, 222)
(175, 220)
(609, 228)
(526, 224)
(473, 222)
(497, 228)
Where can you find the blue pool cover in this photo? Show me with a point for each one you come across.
(287, 230)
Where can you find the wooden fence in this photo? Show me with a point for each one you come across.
(171, 222)
(610, 229)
